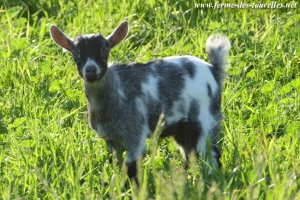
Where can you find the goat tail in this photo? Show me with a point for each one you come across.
(217, 48)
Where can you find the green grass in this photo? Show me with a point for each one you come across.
(48, 151)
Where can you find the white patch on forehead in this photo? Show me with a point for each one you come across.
(89, 62)
(86, 36)
(150, 88)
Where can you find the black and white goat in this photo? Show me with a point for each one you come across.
(126, 100)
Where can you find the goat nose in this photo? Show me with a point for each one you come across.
(90, 69)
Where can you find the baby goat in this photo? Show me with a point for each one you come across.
(126, 100)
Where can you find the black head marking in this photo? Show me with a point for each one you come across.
(91, 46)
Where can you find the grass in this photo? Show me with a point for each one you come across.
(48, 151)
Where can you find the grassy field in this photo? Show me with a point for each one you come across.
(48, 151)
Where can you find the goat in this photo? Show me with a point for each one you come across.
(125, 100)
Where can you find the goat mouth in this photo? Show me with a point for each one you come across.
(90, 77)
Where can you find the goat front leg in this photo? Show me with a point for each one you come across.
(133, 154)
(115, 150)
(135, 149)
(132, 171)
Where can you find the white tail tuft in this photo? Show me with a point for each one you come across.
(217, 48)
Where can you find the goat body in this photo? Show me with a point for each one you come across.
(126, 100)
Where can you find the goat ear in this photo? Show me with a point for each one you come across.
(118, 35)
(61, 39)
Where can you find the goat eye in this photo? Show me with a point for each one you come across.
(104, 54)
(76, 58)
(75, 52)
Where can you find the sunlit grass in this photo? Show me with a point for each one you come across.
(48, 151)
